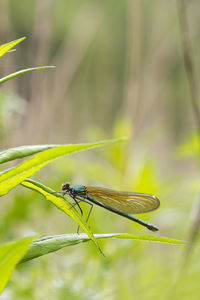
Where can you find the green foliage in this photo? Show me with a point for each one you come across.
(50, 244)
(118, 72)
(45, 154)
(13, 75)
(22, 151)
(10, 255)
(5, 48)
(12, 177)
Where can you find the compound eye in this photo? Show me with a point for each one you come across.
(65, 186)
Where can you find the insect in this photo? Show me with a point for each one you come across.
(122, 203)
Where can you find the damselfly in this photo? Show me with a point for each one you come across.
(121, 203)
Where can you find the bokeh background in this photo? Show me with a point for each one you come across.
(119, 72)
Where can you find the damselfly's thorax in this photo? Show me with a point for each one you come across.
(78, 190)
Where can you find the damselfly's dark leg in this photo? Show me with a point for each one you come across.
(77, 203)
(83, 200)
(91, 206)
(74, 204)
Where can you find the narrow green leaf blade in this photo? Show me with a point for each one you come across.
(12, 177)
(50, 244)
(13, 75)
(22, 151)
(149, 238)
(10, 255)
(61, 203)
(6, 47)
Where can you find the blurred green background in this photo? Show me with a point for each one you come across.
(119, 72)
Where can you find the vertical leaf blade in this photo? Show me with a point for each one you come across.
(10, 255)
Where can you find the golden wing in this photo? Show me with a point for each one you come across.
(134, 203)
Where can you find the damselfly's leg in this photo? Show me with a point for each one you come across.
(91, 207)
(74, 204)
(77, 203)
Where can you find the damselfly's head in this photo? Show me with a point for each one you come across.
(66, 186)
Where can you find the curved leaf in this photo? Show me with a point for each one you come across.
(50, 244)
(13, 75)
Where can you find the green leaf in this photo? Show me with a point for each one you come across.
(13, 75)
(12, 177)
(49, 244)
(22, 151)
(61, 203)
(6, 47)
(10, 255)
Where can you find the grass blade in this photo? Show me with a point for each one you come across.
(13, 75)
(12, 177)
(50, 244)
(6, 47)
(22, 151)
